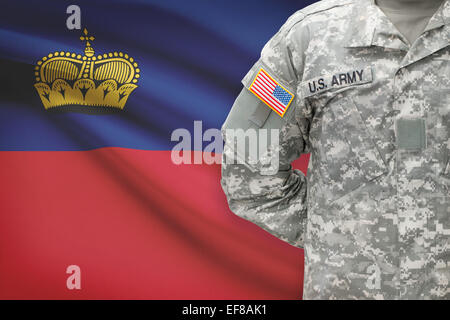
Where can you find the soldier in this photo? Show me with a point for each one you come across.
(366, 91)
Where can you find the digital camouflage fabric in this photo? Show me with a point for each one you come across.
(372, 213)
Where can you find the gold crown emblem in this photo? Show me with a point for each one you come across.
(68, 79)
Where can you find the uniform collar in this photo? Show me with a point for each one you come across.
(373, 27)
(441, 17)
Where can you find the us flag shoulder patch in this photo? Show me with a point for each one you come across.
(269, 91)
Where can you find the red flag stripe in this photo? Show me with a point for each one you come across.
(132, 230)
(268, 80)
(266, 97)
(262, 96)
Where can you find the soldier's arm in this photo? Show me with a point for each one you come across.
(273, 198)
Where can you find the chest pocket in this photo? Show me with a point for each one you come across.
(348, 156)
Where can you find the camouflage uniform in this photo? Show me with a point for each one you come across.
(372, 213)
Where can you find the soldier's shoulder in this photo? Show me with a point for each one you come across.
(327, 5)
(324, 8)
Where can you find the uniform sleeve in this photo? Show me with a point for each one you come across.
(271, 196)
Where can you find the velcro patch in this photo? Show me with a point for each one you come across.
(271, 92)
(410, 133)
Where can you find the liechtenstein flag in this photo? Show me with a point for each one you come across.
(87, 177)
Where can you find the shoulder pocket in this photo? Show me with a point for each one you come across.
(348, 155)
(271, 91)
(247, 132)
